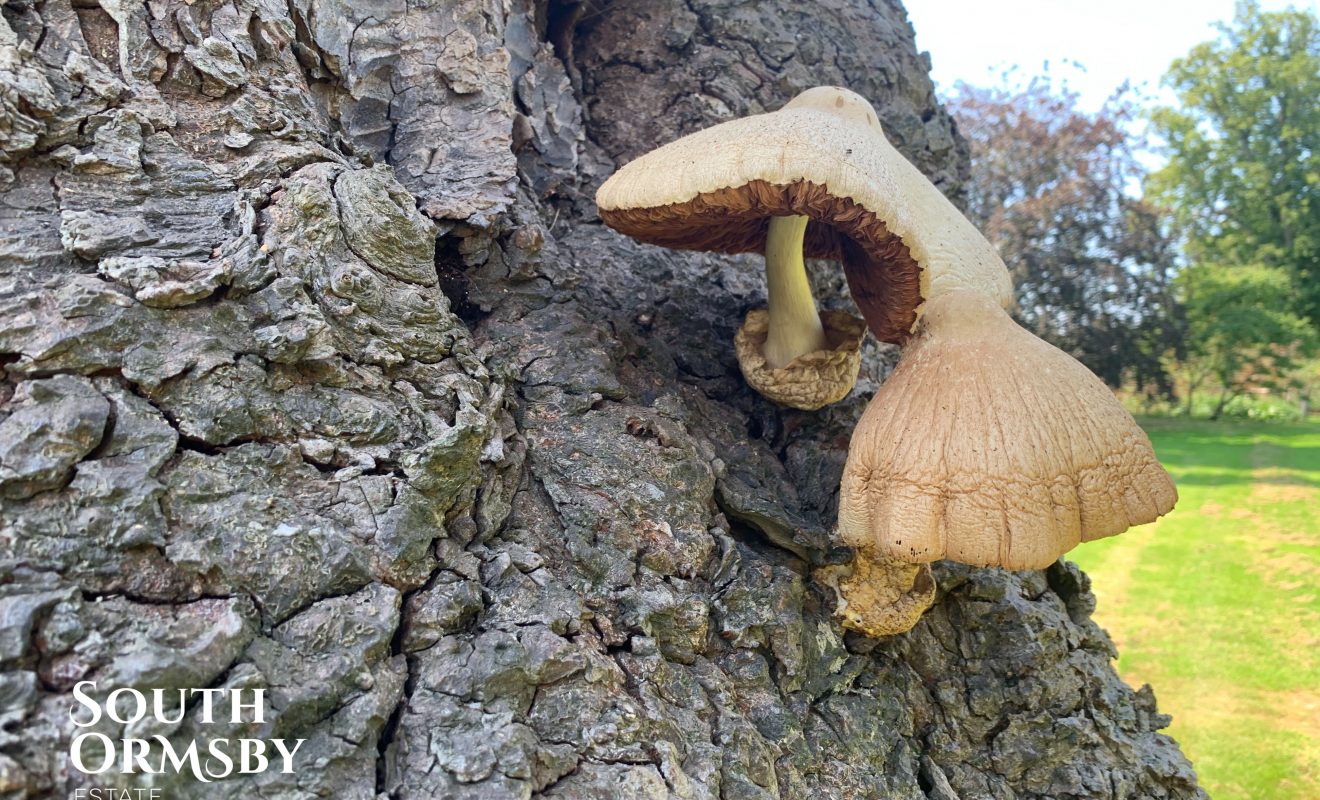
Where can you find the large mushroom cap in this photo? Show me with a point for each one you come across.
(824, 156)
(991, 447)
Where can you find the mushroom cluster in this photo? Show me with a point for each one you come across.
(987, 445)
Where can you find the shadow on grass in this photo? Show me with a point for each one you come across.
(1240, 477)
(1232, 452)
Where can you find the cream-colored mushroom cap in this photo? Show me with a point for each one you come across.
(823, 155)
(813, 380)
(991, 447)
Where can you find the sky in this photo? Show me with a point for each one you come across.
(1114, 40)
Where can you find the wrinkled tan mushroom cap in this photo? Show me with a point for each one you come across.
(810, 381)
(991, 447)
(823, 156)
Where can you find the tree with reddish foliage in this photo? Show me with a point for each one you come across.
(1050, 188)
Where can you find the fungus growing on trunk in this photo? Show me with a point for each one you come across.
(987, 445)
(814, 179)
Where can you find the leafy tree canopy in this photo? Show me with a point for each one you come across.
(1241, 332)
(1243, 176)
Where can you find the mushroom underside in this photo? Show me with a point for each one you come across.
(883, 277)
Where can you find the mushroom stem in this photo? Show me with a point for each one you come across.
(795, 327)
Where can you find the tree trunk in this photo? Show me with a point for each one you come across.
(322, 377)
(1221, 404)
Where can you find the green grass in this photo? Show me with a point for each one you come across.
(1217, 605)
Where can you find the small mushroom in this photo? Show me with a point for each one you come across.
(816, 178)
(987, 445)
(811, 380)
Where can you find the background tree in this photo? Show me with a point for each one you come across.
(1050, 187)
(1306, 380)
(1240, 331)
(1243, 176)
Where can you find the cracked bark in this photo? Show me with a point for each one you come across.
(321, 376)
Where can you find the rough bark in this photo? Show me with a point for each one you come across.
(321, 376)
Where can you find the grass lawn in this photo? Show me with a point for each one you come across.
(1218, 604)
